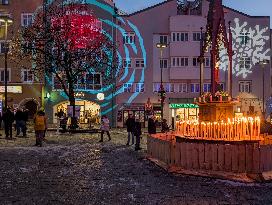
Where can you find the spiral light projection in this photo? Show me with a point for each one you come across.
(128, 75)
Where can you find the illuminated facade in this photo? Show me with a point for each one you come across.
(181, 31)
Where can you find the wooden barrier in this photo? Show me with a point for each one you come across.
(249, 157)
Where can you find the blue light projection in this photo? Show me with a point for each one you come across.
(121, 77)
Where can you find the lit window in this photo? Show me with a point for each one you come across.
(164, 39)
(245, 86)
(196, 36)
(169, 87)
(194, 87)
(2, 47)
(127, 87)
(207, 87)
(27, 76)
(163, 63)
(140, 63)
(26, 19)
(139, 87)
(5, 2)
(156, 87)
(129, 38)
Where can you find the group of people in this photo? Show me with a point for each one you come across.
(134, 130)
(20, 116)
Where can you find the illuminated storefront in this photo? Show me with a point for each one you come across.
(186, 111)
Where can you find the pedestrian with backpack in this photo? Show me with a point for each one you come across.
(40, 126)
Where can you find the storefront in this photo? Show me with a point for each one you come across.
(186, 111)
(86, 111)
(136, 110)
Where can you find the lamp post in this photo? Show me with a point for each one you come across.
(7, 21)
(262, 64)
(161, 46)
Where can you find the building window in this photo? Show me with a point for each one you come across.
(26, 19)
(140, 63)
(244, 38)
(207, 87)
(245, 63)
(207, 62)
(183, 88)
(169, 87)
(194, 87)
(2, 75)
(139, 87)
(127, 87)
(196, 36)
(27, 76)
(129, 38)
(195, 61)
(164, 39)
(5, 2)
(245, 86)
(163, 63)
(2, 47)
(179, 61)
(180, 36)
(127, 63)
(156, 87)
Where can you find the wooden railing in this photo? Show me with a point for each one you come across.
(237, 129)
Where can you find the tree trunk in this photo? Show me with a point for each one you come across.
(72, 101)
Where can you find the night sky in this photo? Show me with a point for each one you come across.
(251, 7)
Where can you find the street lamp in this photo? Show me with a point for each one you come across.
(161, 46)
(7, 21)
(263, 63)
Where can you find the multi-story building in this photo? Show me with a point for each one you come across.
(23, 89)
(181, 31)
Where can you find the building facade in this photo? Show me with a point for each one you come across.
(178, 65)
(23, 89)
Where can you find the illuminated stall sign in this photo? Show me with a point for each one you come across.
(12, 89)
(177, 106)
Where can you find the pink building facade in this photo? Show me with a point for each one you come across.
(143, 61)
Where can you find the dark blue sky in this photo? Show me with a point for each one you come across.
(251, 7)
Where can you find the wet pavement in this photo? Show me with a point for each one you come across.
(76, 169)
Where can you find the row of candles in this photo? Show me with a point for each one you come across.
(233, 130)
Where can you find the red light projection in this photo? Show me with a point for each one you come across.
(78, 26)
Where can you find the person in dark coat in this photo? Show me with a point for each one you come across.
(151, 125)
(25, 119)
(165, 127)
(137, 134)
(130, 123)
(8, 119)
(19, 120)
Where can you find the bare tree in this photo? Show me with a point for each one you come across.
(65, 42)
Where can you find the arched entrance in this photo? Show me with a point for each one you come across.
(31, 104)
(87, 111)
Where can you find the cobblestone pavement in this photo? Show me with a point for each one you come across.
(78, 170)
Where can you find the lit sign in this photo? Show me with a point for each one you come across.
(12, 89)
(100, 96)
(176, 106)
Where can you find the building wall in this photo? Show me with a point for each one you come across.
(30, 91)
(162, 19)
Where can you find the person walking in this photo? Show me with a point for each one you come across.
(40, 126)
(130, 123)
(105, 127)
(8, 119)
(137, 134)
(151, 125)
